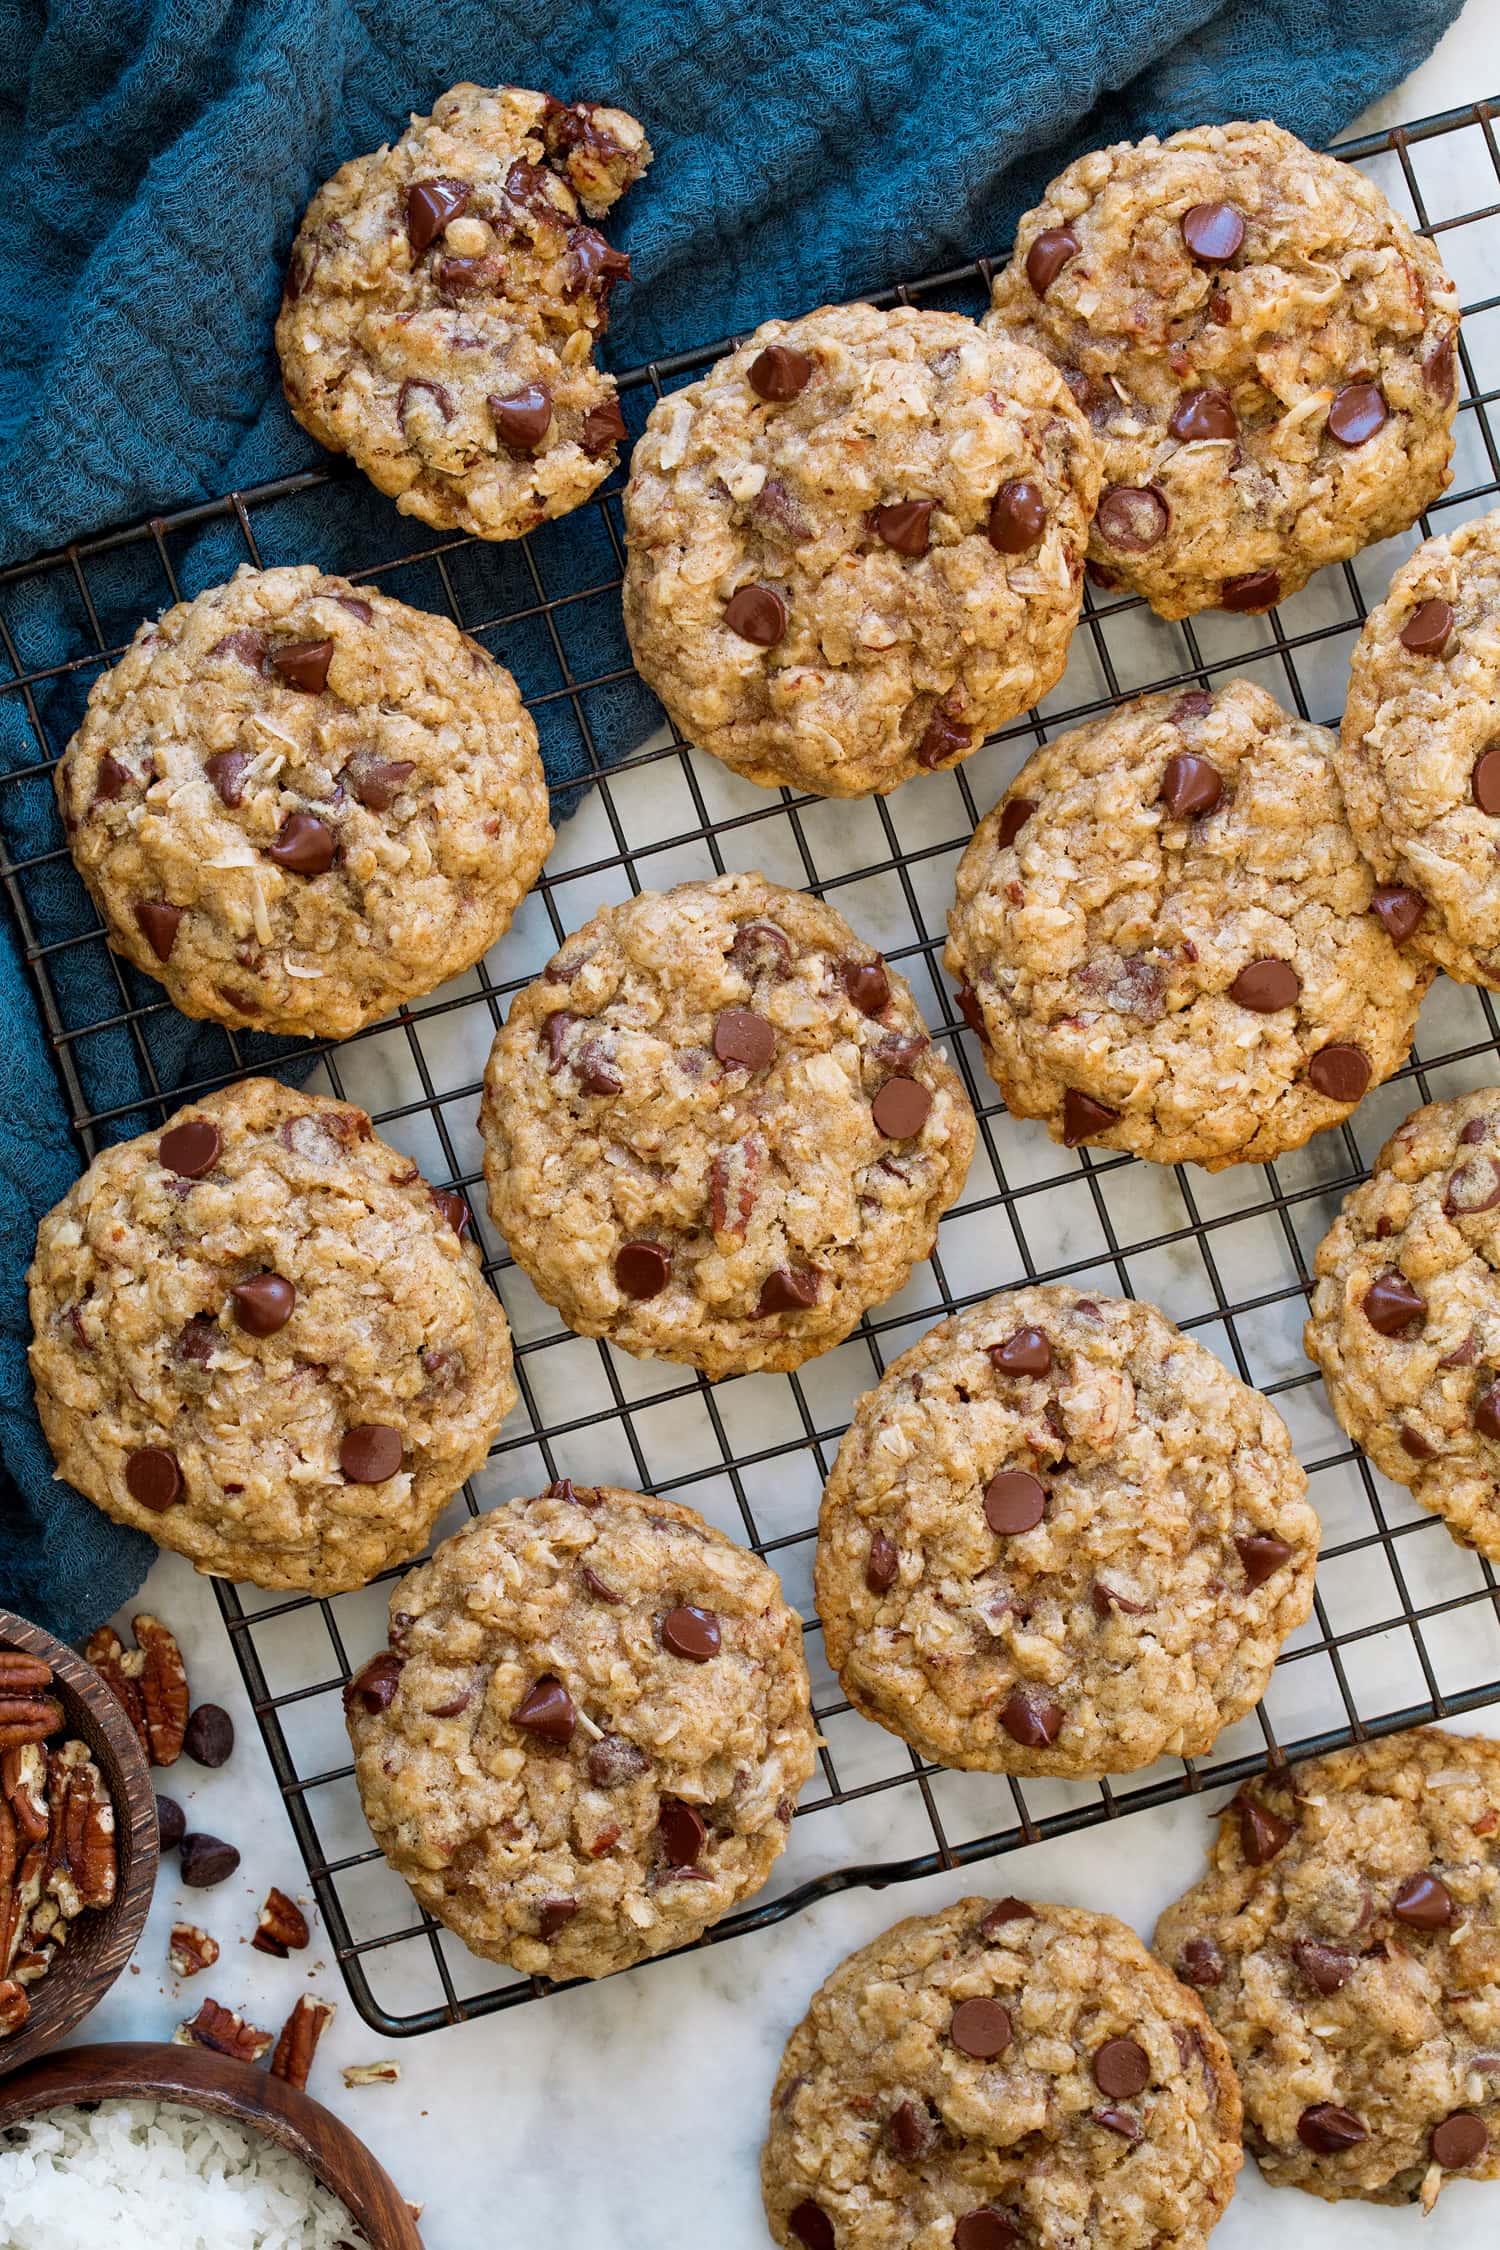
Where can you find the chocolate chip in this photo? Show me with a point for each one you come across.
(1487, 1413)
(553, 1916)
(603, 426)
(1013, 1502)
(985, 2229)
(546, 1709)
(226, 769)
(1026, 1353)
(1048, 255)
(1201, 1964)
(1459, 2141)
(904, 524)
(1328, 2130)
(1132, 517)
(1262, 1555)
(1424, 1902)
(691, 1633)
(980, 2028)
(1473, 1187)
(153, 1478)
(682, 1831)
(812, 2226)
(205, 1860)
(376, 783)
(1413, 1443)
(356, 605)
(373, 1687)
(1391, 1305)
(112, 780)
(1107, 1599)
(1014, 815)
(303, 845)
(1004, 1910)
(592, 260)
(159, 924)
(901, 1109)
(1122, 2069)
(1427, 630)
(1399, 909)
(597, 1586)
(779, 373)
(867, 985)
(370, 1452)
(1340, 1071)
(1253, 590)
(1263, 1833)
(1189, 785)
(912, 2131)
(208, 1737)
(303, 664)
(1031, 1717)
(1266, 986)
(787, 1289)
(263, 1304)
(1326, 1967)
(452, 1707)
(741, 1036)
(1120, 2121)
(451, 1206)
(1213, 232)
(967, 1001)
(430, 204)
(522, 418)
(882, 1564)
(1485, 781)
(1203, 414)
(247, 648)
(171, 1823)
(1018, 517)
(642, 1269)
(758, 614)
(612, 1762)
(1357, 412)
(1083, 1117)
(1193, 703)
(944, 739)
(759, 950)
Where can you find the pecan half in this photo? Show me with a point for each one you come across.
(223, 2031)
(190, 1950)
(298, 2040)
(28, 1718)
(19, 1904)
(164, 1690)
(21, 1674)
(23, 1779)
(282, 1926)
(733, 1179)
(82, 1837)
(120, 1668)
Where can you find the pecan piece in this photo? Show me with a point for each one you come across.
(120, 1668)
(298, 2040)
(19, 1904)
(223, 2031)
(282, 1926)
(82, 1838)
(14, 2008)
(164, 1690)
(23, 1778)
(190, 1949)
(733, 1178)
(371, 2074)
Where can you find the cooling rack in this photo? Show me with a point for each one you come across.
(1406, 1625)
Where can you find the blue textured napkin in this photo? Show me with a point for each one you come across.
(154, 162)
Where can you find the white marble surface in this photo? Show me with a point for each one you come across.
(629, 2114)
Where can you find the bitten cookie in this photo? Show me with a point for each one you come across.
(716, 1130)
(1168, 941)
(1265, 351)
(585, 1742)
(1405, 1318)
(1419, 751)
(856, 546)
(1001, 2074)
(260, 1337)
(1060, 1537)
(441, 306)
(1344, 1943)
(298, 804)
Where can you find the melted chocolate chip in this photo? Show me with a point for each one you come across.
(778, 373)
(901, 1108)
(603, 427)
(1262, 1555)
(1473, 1187)
(682, 1831)
(1213, 232)
(1122, 2069)
(867, 985)
(1083, 1117)
(1398, 908)
(1048, 255)
(810, 2223)
(373, 1687)
(744, 1038)
(1203, 414)
(370, 1453)
(1014, 1502)
(613, 1762)
(430, 204)
(1391, 1305)
(226, 769)
(554, 1915)
(1487, 1413)
(1428, 629)
(112, 780)
(451, 1206)
(882, 1564)
(944, 739)
(1356, 413)
(967, 1000)
(758, 614)
(692, 1634)
(159, 924)
(304, 846)
(546, 1710)
(1120, 2121)
(1004, 1910)
(642, 1269)
(1424, 1902)
(1266, 986)
(1013, 818)
(788, 1289)
(1132, 517)
(1328, 2130)
(980, 2028)
(153, 1478)
(759, 950)
(1107, 1599)
(303, 664)
(905, 525)
(191, 1148)
(1340, 1071)
(1018, 517)
(1201, 1964)
(1189, 785)
(1026, 1353)
(1485, 781)
(1326, 1967)
(264, 1304)
(1263, 1833)
(376, 783)
(985, 2229)
(1253, 590)
(912, 2131)
(1031, 1717)
(522, 418)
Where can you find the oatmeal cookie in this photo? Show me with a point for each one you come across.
(441, 306)
(1405, 1318)
(585, 1742)
(997, 2074)
(297, 804)
(1266, 352)
(715, 1129)
(1419, 750)
(856, 546)
(1344, 1942)
(260, 1337)
(1060, 1537)
(1168, 941)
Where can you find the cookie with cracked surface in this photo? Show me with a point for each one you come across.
(999, 2074)
(1265, 351)
(297, 803)
(1060, 1537)
(1168, 942)
(1405, 1315)
(260, 1337)
(716, 1130)
(586, 1740)
(442, 302)
(1344, 1942)
(1419, 750)
(856, 545)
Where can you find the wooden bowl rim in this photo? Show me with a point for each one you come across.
(79, 1990)
(194, 2078)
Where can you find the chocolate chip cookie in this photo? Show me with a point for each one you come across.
(1405, 1319)
(1344, 1942)
(856, 545)
(716, 1130)
(261, 1337)
(1419, 750)
(298, 804)
(442, 302)
(1001, 2074)
(1168, 941)
(1060, 1537)
(586, 1739)
(1265, 351)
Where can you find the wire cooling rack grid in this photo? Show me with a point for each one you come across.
(1406, 1624)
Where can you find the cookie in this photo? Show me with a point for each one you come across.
(1001, 2074)
(586, 1739)
(261, 1337)
(715, 1129)
(1265, 351)
(856, 545)
(1405, 1317)
(297, 804)
(1060, 1537)
(1419, 751)
(1168, 942)
(1344, 1943)
(442, 303)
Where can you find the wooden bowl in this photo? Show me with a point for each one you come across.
(197, 2079)
(100, 1942)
